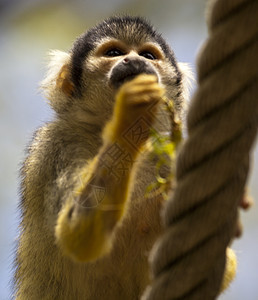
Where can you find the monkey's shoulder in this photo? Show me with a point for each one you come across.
(55, 146)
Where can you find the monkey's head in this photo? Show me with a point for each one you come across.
(85, 80)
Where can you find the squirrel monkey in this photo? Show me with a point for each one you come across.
(87, 227)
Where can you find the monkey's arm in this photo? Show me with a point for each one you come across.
(86, 221)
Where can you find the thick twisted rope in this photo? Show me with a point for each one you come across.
(188, 262)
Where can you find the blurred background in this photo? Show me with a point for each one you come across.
(28, 29)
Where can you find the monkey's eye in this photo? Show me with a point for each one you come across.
(113, 52)
(148, 55)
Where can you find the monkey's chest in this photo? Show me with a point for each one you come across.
(133, 242)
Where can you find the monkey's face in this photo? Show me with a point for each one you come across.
(102, 59)
(114, 62)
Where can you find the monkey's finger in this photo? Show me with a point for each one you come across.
(143, 79)
(148, 78)
(145, 86)
(145, 99)
(138, 86)
(246, 201)
(239, 228)
(141, 95)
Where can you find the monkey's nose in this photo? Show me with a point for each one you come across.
(134, 63)
(129, 68)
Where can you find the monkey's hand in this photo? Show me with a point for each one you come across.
(87, 220)
(134, 112)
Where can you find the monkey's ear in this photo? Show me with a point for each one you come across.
(187, 80)
(186, 87)
(63, 81)
(57, 85)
